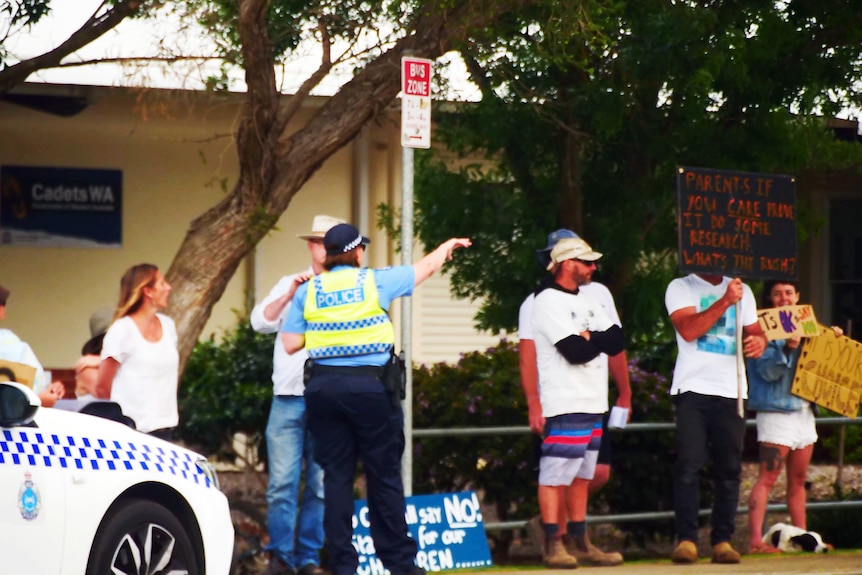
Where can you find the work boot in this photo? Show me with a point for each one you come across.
(685, 552)
(537, 535)
(724, 553)
(556, 556)
(588, 554)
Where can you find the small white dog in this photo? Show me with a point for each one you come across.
(790, 539)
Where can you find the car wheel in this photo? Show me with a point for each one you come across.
(142, 537)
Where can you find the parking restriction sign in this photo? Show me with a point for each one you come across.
(415, 102)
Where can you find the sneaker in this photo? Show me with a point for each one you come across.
(277, 566)
(685, 552)
(724, 553)
(593, 555)
(556, 556)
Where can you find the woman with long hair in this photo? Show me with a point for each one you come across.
(140, 363)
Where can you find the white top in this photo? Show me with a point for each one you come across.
(598, 292)
(707, 365)
(12, 348)
(564, 387)
(595, 290)
(286, 368)
(145, 384)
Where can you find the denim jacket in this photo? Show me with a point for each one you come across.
(770, 377)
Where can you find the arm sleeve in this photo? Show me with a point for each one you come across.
(677, 297)
(115, 344)
(259, 323)
(393, 283)
(577, 350)
(610, 341)
(525, 318)
(749, 306)
(295, 320)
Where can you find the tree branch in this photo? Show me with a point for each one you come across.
(92, 29)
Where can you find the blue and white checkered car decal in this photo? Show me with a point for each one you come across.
(348, 350)
(33, 448)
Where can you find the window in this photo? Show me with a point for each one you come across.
(845, 265)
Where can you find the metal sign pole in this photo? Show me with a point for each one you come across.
(415, 133)
(407, 314)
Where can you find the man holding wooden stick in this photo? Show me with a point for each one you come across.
(706, 311)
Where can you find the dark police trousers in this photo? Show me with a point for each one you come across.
(352, 418)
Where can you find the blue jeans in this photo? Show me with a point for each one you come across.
(707, 427)
(297, 540)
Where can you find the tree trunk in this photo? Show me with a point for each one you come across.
(273, 168)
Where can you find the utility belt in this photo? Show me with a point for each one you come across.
(393, 375)
(318, 369)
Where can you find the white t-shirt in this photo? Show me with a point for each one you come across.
(595, 290)
(286, 368)
(13, 349)
(708, 365)
(564, 387)
(145, 384)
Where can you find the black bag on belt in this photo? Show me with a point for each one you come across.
(395, 376)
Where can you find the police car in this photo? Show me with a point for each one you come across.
(85, 495)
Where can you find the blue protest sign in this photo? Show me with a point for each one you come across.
(447, 528)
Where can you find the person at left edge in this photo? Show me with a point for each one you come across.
(340, 317)
(294, 523)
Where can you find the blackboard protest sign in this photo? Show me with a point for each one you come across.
(447, 527)
(737, 224)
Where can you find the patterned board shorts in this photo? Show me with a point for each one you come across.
(570, 448)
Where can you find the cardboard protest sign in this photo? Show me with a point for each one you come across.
(22, 373)
(829, 373)
(788, 321)
(447, 527)
(737, 224)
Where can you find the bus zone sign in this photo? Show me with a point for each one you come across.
(415, 102)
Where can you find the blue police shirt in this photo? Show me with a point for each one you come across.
(391, 283)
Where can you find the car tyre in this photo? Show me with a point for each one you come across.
(142, 537)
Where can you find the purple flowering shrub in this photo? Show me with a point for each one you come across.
(642, 461)
(482, 390)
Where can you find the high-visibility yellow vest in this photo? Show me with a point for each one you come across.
(344, 317)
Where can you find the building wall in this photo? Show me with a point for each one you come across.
(176, 154)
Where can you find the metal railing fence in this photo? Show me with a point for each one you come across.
(630, 428)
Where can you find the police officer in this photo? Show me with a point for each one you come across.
(340, 317)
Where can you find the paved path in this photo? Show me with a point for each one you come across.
(838, 563)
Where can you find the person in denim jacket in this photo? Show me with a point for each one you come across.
(786, 428)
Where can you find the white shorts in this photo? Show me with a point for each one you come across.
(795, 429)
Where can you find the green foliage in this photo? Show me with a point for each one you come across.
(482, 390)
(227, 388)
(19, 15)
(642, 470)
(292, 22)
(828, 446)
(840, 526)
(587, 111)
